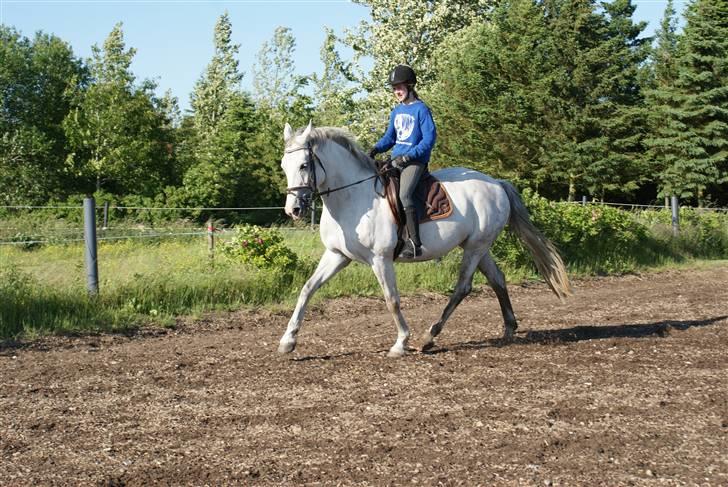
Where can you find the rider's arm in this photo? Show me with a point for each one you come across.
(429, 135)
(388, 139)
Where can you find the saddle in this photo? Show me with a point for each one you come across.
(431, 199)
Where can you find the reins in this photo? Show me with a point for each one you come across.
(312, 160)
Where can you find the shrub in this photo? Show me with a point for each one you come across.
(599, 238)
(703, 233)
(260, 247)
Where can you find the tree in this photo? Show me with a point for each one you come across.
(545, 93)
(401, 32)
(333, 90)
(221, 149)
(274, 80)
(39, 79)
(689, 125)
(491, 92)
(115, 132)
(215, 90)
(620, 169)
(280, 100)
(664, 56)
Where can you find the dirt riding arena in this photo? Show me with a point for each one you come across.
(624, 384)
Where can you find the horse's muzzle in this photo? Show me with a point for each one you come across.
(300, 208)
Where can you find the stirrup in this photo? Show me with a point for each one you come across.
(410, 250)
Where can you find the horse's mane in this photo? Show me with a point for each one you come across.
(342, 137)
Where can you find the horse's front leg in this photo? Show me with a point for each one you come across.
(384, 270)
(331, 263)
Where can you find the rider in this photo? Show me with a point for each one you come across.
(412, 132)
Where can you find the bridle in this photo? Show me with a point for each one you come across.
(312, 182)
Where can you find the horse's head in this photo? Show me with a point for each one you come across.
(299, 164)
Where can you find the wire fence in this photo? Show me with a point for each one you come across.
(39, 235)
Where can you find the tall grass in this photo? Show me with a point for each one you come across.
(42, 290)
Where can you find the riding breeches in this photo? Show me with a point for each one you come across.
(408, 180)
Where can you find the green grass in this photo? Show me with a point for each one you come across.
(43, 290)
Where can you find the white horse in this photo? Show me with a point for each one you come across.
(357, 224)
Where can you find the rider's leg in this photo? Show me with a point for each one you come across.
(408, 180)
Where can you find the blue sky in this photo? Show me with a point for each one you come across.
(173, 38)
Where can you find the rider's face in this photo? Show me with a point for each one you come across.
(400, 91)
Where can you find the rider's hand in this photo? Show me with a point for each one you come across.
(400, 162)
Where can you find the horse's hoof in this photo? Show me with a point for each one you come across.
(428, 345)
(286, 347)
(396, 352)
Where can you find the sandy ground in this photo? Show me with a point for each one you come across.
(626, 383)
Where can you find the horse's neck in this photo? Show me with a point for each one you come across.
(343, 169)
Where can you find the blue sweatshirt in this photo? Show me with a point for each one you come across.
(411, 131)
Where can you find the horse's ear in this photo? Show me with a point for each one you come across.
(287, 132)
(307, 132)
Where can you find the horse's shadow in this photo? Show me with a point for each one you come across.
(584, 332)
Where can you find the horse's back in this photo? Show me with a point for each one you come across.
(481, 205)
(464, 185)
(460, 174)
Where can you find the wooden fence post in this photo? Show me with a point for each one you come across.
(211, 240)
(313, 213)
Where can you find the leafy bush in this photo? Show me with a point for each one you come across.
(598, 238)
(703, 233)
(260, 247)
(26, 241)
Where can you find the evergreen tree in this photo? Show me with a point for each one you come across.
(115, 131)
(215, 90)
(664, 56)
(225, 162)
(689, 125)
(620, 168)
(491, 93)
(546, 92)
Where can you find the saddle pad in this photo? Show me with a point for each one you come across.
(431, 199)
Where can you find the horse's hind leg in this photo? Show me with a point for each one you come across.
(497, 281)
(462, 289)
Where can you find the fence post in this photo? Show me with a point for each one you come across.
(583, 200)
(91, 252)
(675, 217)
(211, 240)
(105, 226)
(313, 214)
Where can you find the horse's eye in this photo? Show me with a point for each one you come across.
(304, 166)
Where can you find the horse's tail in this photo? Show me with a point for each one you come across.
(547, 258)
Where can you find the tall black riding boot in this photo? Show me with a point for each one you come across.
(412, 247)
